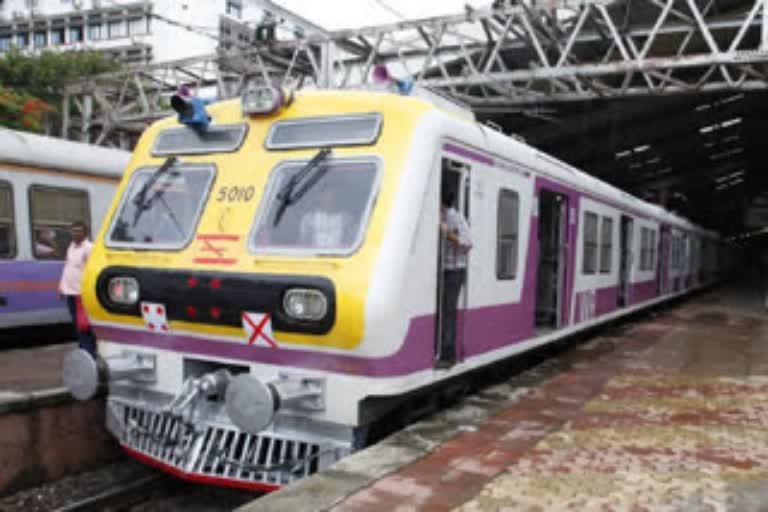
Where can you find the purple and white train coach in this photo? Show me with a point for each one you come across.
(45, 185)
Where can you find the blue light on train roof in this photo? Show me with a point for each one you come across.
(191, 109)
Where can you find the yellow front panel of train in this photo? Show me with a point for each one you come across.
(222, 240)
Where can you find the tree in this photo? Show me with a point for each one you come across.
(22, 112)
(30, 85)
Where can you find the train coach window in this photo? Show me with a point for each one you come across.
(160, 209)
(589, 265)
(507, 234)
(52, 211)
(651, 249)
(606, 245)
(645, 249)
(346, 130)
(7, 222)
(675, 252)
(186, 141)
(325, 212)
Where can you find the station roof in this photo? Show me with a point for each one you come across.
(700, 155)
(662, 98)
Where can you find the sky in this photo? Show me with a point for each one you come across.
(341, 14)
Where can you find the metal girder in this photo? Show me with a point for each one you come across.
(517, 56)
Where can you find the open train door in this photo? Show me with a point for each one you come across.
(449, 329)
(662, 265)
(625, 262)
(552, 258)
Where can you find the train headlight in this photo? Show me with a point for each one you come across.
(123, 290)
(305, 304)
(261, 100)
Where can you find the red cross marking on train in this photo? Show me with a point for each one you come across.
(258, 329)
(209, 247)
(220, 248)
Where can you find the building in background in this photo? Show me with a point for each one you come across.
(135, 32)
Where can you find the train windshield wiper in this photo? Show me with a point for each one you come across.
(140, 200)
(289, 194)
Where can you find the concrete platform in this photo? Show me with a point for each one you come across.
(668, 412)
(32, 369)
(44, 433)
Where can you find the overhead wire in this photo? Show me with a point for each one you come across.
(390, 9)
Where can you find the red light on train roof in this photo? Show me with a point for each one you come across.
(215, 312)
(192, 282)
(215, 283)
(191, 311)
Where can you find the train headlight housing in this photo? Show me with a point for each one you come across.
(305, 304)
(123, 290)
(261, 100)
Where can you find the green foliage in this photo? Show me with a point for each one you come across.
(21, 112)
(31, 84)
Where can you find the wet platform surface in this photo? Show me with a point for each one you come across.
(666, 412)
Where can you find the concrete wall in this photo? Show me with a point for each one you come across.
(46, 436)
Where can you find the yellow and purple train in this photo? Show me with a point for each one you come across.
(267, 280)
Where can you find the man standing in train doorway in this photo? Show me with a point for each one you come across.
(71, 281)
(456, 243)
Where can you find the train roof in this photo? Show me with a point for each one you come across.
(62, 155)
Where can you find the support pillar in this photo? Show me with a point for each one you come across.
(87, 114)
(65, 101)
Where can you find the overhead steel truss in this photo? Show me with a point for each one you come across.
(510, 58)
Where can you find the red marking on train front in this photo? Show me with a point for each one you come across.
(216, 261)
(217, 244)
(257, 325)
(209, 247)
(154, 316)
(217, 236)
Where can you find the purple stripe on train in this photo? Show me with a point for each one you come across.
(490, 327)
(641, 292)
(20, 286)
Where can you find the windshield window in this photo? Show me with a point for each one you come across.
(329, 217)
(346, 130)
(164, 215)
(186, 141)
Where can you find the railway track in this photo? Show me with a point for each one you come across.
(123, 496)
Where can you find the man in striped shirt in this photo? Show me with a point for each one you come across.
(455, 246)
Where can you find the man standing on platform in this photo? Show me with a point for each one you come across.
(72, 277)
